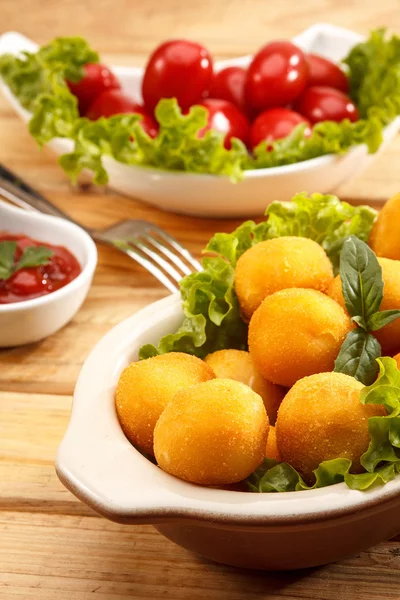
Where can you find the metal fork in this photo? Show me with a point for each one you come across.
(149, 245)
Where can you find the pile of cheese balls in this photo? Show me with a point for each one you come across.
(213, 422)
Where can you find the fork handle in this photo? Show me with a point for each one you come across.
(22, 194)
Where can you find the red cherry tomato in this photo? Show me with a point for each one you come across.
(326, 104)
(274, 124)
(322, 71)
(115, 102)
(225, 117)
(228, 84)
(96, 79)
(276, 76)
(177, 69)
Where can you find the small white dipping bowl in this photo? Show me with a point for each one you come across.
(216, 196)
(32, 320)
(97, 463)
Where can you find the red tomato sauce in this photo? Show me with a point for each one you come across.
(34, 282)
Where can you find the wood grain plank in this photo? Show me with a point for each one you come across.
(53, 365)
(35, 488)
(230, 26)
(48, 556)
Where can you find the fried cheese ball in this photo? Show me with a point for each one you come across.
(278, 264)
(388, 336)
(238, 365)
(385, 235)
(322, 418)
(272, 450)
(296, 332)
(146, 387)
(213, 433)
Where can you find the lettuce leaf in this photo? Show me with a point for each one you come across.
(37, 81)
(381, 461)
(322, 218)
(327, 137)
(212, 314)
(94, 139)
(55, 113)
(176, 147)
(33, 74)
(374, 76)
(274, 476)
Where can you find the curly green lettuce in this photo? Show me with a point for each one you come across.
(381, 461)
(210, 305)
(38, 81)
(32, 74)
(176, 147)
(374, 76)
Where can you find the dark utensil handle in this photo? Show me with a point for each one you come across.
(18, 182)
(20, 192)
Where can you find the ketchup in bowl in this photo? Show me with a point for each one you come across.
(30, 268)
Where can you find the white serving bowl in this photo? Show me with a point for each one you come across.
(32, 320)
(216, 196)
(96, 462)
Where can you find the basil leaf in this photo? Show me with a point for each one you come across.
(382, 318)
(357, 356)
(7, 252)
(34, 256)
(362, 282)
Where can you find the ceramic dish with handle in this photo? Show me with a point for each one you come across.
(32, 320)
(97, 463)
(212, 195)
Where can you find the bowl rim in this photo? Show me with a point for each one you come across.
(87, 269)
(92, 455)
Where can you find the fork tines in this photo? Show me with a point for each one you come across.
(157, 251)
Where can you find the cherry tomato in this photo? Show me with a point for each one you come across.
(322, 71)
(115, 102)
(96, 79)
(228, 84)
(177, 69)
(274, 124)
(225, 117)
(276, 76)
(326, 104)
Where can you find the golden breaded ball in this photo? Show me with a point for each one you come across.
(146, 387)
(272, 450)
(385, 235)
(322, 418)
(295, 333)
(238, 365)
(278, 264)
(213, 433)
(388, 336)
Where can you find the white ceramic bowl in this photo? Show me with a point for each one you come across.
(217, 196)
(32, 320)
(264, 531)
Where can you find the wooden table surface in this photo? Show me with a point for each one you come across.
(51, 545)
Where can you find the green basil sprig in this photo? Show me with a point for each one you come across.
(33, 256)
(362, 288)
